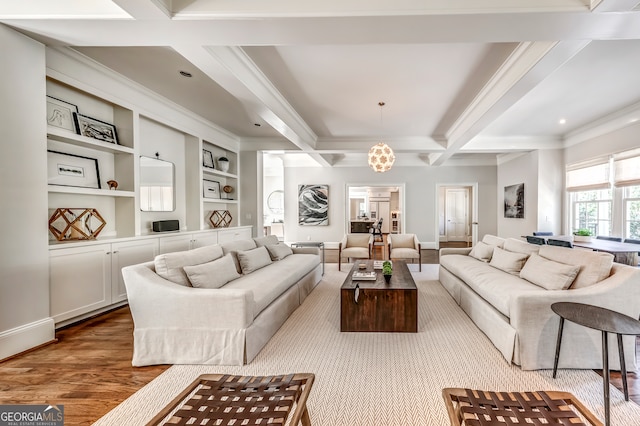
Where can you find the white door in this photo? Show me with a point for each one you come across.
(457, 208)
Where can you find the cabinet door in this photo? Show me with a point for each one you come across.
(125, 254)
(201, 239)
(79, 280)
(234, 234)
(175, 243)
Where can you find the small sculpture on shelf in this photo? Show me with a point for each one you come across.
(228, 189)
(220, 218)
(76, 224)
(223, 164)
(112, 184)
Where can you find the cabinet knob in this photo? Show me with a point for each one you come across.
(115, 252)
(108, 252)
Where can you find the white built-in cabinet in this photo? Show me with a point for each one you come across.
(85, 276)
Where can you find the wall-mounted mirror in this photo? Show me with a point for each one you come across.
(157, 193)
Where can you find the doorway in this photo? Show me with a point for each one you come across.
(457, 213)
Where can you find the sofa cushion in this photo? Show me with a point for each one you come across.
(252, 260)
(492, 240)
(404, 253)
(267, 284)
(212, 274)
(548, 273)
(403, 241)
(170, 266)
(518, 246)
(482, 251)
(495, 286)
(508, 261)
(279, 251)
(266, 241)
(234, 247)
(595, 266)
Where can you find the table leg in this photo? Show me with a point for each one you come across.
(558, 343)
(623, 368)
(306, 420)
(605, 375)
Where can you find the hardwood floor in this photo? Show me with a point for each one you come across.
(89, 370)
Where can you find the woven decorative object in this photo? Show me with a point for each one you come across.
(476, 407)
(221, 400)
(220, 218)
(76, 224)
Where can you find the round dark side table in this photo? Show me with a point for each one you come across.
(606, 321)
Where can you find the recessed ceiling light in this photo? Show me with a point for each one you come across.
(186, 74)
(562, 121)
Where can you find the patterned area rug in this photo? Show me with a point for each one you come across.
(382, 378)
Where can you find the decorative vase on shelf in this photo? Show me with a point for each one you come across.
(223, 164)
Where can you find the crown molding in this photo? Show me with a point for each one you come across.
(610, 123)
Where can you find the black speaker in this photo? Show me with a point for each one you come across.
(166, 225)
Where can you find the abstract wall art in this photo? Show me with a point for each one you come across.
(313, 205)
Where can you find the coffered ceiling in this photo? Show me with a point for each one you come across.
(463, 82)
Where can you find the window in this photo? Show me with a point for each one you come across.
(631, 203)
(592, 210)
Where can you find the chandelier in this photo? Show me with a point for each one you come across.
(381, 156)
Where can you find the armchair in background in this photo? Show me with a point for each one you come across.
(405, 246)
(355, 246)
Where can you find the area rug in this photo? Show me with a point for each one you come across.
(381, 378)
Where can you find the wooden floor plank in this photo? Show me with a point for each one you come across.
(89, 370)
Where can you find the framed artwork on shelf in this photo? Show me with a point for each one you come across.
(72, 170)
(60, 114)
(96, 129)
(211, 189)
(207, 159)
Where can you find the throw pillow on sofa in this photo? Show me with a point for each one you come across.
(170, 266)
(595, 266)
(519, 246)
(492, 240)
(279, 251)
(252, 260)
(213, 274)
(508, 261)
(548, 273)
(482, 251)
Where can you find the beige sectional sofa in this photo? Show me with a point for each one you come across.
(507, 286)
(218, 304)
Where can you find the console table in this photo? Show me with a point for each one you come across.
(606, 321)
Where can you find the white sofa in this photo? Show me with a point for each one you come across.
(247, 290)
(500, 284)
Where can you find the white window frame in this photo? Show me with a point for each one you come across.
(574, 212)
(626, 219)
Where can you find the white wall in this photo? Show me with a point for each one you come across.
(551, 190)
(24, 253)
(523, 169)
(419, 212)
(170, 145)
(621, 140)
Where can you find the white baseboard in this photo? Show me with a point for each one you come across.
(26, 336)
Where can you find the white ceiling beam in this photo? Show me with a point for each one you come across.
(146, 9)
(525, 68)
(603, 6)
(509, 144)
(414, 144)
(484, 28)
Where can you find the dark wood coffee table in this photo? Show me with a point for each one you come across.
(381, 307)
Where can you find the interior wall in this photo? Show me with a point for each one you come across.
(522, 169)
(170, 145)
(620, 140)
(551, 191)
(24, 251)
(251, 190)
(420, 197)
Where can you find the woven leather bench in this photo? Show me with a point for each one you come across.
(476, 407)
(221, 400)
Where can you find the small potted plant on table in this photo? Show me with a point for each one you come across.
(582, 235)
(387, 270)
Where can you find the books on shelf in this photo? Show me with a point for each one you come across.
(364, 275)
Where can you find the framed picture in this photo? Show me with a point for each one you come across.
(96, 129)
(60, 114)
(313, 205)
(207, 159)
(514, 201)
(72, 170)
(211, 188)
